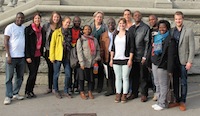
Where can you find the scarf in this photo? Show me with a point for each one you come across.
(158, 39)
(66, 43)
(38, 35)
(91, 44)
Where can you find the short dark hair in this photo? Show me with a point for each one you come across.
(87, 26)
(20, 13)
(179, 13)
(111, 19)
(164, 22)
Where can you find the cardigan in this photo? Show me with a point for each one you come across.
(31, 41)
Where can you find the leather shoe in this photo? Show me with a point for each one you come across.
(67, 95)
(99, 90)
(143, 98)
(182, 106)
(171, 105)
(109, 93)
(132, 96)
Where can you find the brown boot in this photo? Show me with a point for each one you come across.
(123, 98)
(82, 94)
(90, 95)
(117, 98)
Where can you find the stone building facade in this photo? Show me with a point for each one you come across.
(164, 9)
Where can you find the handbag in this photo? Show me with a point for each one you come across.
(73, 57)
(170, 92)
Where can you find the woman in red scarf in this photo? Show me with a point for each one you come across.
(34, 43)
(88, 53)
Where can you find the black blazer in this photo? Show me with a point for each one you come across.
(31, 40)
(168, 55)
(129, 44)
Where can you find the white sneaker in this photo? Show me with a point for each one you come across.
(158, 108)
(7, 101)
(154, 105)
(18, 97)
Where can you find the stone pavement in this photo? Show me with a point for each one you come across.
(49, 105)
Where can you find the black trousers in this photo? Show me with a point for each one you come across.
(110, 80)
(139, 74)
(86, 74)
(176, 82)
(33, 69)
(99, 76)
(50, 70)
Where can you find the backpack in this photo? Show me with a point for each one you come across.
(74, 57)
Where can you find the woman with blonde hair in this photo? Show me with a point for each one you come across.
(59, 53)
(98, 27)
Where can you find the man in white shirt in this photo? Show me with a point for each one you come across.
(14, 42)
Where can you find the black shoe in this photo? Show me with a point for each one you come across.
(99, 90)
(33, 95)
(109, 93)
(28, 95)
(132, 96)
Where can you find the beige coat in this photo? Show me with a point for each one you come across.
(83, 52)
(186, 48)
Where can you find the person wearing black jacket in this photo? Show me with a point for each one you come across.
(139, 32)
(161, 54)
(34, 44)
(121, 60)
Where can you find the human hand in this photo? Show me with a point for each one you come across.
(9, 60)
(28, 60)
(111, 63)
(82, 67)
(188, 66)
(129, 63)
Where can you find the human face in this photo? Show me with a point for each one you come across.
(66, 23)
(111, 25)
(127, 15)
(178, 20)
(56, 18)
(87, 30)
(19, 19)
(122, 25)
(77, 22)
(162, 28)
(137, 17)
(98, 18)
(152, 20)
(37, 20)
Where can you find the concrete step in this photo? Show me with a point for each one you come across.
(6, 8)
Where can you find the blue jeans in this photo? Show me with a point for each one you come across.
(183, 83)
(17, 65)
(67, 69)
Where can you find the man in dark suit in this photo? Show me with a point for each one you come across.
(184, 37)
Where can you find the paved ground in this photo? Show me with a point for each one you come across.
(49, 105)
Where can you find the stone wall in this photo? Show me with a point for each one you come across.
(86, 19)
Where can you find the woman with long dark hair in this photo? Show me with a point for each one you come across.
(34, 44)
(55, 23)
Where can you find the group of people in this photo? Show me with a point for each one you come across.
(128, 55)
